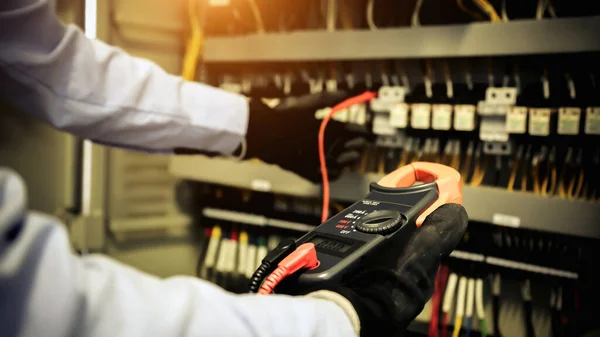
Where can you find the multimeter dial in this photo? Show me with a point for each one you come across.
(380, 222)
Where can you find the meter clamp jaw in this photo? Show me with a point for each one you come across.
(385, 218)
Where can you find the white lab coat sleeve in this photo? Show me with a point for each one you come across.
(46, 290)
(98, 92)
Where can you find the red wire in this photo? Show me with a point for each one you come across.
(362, 98)
(438, 295)
(435, 305)
(445, 325)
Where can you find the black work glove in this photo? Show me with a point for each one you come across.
(388, 298)
(287, 135)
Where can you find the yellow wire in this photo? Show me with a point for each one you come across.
(478, 172)
(457, 325)
(381, 166)
(580, 181)
(562, 188)
(194, 44)
(403, 158)
(513, 175)
(573, 191)
(462, 7)
(466, 165)
(536, 176)
(489, 9)
(455, 162)
(550, 178)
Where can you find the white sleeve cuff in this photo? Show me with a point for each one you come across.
(343, 303)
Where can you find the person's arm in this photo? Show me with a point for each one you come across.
(55, 73)
(48, 291)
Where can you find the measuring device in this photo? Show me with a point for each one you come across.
(360, 234)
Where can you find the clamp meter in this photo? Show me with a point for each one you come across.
(386, 217)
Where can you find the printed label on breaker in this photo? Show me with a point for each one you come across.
(464, 117)
(420, 116)
(399, 115)
(261, 185)
(506, 220)
(516, 120)
(592, 121)
(568, 121)
(442, 117)
(539, 122)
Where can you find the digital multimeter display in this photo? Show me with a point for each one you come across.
(330, 244)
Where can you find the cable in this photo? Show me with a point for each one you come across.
(515, 169)
(466, 168)
(260, 26)
(470, 304)
(526, 169)
(304, 256)
(440, 284)
(565, 172)
(461, 6)
(496, 304)
(194, 44)
(415, 15)
(242, 254)
(527, 308)
(550, 178)
(269, 262)
(503, 11)
(481, 161)
(485, 6)
(211, 252)
(460, 306)
(577, 179)
(455, 161)
(362, 98)
(480, 306)
(370, 20)
(448, 301)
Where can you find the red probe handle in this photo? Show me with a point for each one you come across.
(447, 179)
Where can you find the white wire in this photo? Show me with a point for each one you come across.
(460, 299)
(250, 261)
(470, 297)
(479, 299)
(504, 13)
(496, 285)
(243, 254)
(415, 16)
(370, 20)
(550, 9)
(526, 291)
(449, 294)
(541, 9)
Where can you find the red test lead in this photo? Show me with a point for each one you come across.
(305, 256)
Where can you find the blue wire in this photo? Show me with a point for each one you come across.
(468, 321)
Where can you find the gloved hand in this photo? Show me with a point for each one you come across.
(388, 297)
(287, 135)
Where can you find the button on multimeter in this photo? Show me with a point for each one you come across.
(380, 222)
